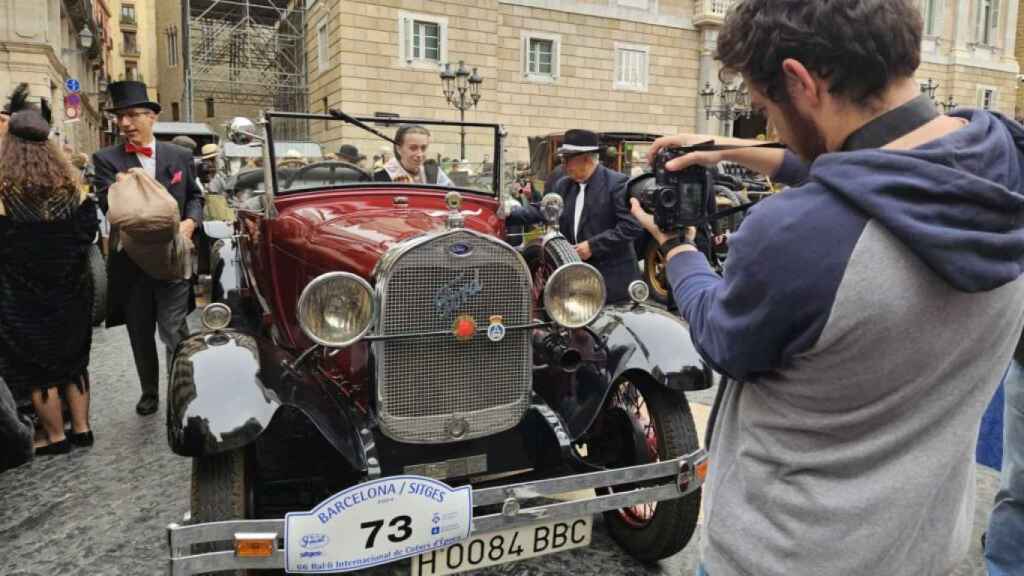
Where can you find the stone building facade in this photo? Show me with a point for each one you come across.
(41, 43)
(547, 65)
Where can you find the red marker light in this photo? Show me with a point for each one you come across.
(464, 327)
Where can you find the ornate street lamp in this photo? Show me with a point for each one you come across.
(735, 101)
(462, 90)
(929, 89)
(949, 105)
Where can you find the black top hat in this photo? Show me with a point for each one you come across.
(349, 152)
(579, 142)
(130, 94)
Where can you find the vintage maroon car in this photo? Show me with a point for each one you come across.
(386, 379)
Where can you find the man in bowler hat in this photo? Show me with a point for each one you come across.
(136, 299)
(596, 218)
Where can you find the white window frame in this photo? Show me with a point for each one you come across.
(323, 55)
(989, 26)
(645, 73)
(556, 56)
(406, 21)
(994, 106)
(931, 12)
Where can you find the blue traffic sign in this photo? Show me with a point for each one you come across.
(73, 85)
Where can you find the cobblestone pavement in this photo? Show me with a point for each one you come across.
(102, 511)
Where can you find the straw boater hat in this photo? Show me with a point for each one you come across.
(209, 151)
(579, 142)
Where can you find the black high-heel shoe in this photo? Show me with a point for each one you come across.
(81, 439)
(53, 448)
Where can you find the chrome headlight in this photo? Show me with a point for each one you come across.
(336, 309)
(574, 295)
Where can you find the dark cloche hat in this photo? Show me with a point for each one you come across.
(130, 94)
(28, 121)
(579, 142)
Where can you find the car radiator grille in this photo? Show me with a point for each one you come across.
(435, 389)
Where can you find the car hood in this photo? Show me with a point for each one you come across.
(353, 238)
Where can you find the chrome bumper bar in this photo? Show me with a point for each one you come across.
(661, 481)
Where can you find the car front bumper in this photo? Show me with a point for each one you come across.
(654, 482)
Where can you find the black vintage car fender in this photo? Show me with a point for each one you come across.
(226, 387)
(638, 339)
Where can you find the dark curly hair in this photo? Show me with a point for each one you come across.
(858, 46)
(35, 165)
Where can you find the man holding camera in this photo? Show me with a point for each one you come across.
(865, 315)
(595, 219)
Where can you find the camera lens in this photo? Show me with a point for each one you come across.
(668, 199)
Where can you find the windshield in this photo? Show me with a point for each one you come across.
(338, 152)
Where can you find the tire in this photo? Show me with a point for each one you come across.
(98, 272)
(650, 532)
(221, 490)
(655, 274)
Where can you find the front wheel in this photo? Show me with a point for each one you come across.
(656, 273)
(221, 490)
(98, 272)
(643, 422)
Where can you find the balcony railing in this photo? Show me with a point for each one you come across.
(707, 12)
(130, 50)
(128, 20)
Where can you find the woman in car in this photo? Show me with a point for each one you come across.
(410, 161)
(47, 225)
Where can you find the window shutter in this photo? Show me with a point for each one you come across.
(994, 24)
(526, 55)
(556, 65)
(979, 33)
(407, 44)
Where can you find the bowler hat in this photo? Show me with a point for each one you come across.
(130, 94)
(349, 152)
(578, 142)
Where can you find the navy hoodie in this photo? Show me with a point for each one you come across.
(869, 315)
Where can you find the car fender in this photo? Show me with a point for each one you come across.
(226, 387)
(633, 338)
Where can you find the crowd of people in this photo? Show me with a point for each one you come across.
(864, 320)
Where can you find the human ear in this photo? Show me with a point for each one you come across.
(800, 83)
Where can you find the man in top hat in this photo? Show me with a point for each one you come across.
(596, 217)
(137, 300)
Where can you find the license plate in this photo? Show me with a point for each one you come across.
(504, 547)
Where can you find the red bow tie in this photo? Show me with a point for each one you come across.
(144, 150)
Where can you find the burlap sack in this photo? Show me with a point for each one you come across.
(142, 207)
(162, 260)
(146, 218)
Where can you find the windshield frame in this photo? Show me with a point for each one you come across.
(269, 116)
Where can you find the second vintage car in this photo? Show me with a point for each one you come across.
(385, 379)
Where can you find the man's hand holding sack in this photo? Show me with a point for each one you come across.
(150, 227)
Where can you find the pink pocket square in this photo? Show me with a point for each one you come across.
(176, 178)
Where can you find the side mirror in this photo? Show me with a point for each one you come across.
(242, 131)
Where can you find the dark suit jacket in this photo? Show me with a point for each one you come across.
(170, 159)
(605, 223)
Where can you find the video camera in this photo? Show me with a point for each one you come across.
(679, 199)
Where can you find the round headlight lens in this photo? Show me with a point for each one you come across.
(336, 309)
(215, 316)
(574, 295)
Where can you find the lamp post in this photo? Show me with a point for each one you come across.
(85, 38)
(929, 89)
(735, 103)
(461, 90)
(949, 105)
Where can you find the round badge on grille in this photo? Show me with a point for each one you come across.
(496, 331)
(457, 427)
(460, 249)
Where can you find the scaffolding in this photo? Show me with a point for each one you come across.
(249, 53)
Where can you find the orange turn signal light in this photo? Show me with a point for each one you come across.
(702, 469)
(255, 545)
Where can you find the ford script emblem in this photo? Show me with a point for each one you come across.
(460, 249)
(453, 296)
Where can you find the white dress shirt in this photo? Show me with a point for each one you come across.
(149, 164)
(578, 212)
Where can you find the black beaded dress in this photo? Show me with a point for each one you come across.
(45, 288)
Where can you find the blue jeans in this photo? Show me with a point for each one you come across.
(1004, 549)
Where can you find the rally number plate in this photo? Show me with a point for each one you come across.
(504, 547)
